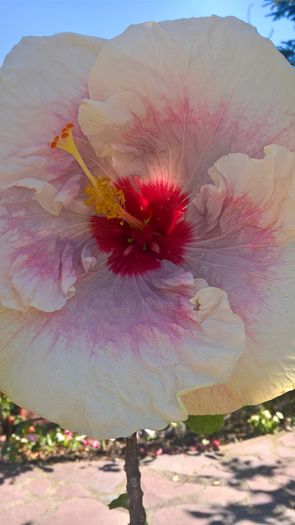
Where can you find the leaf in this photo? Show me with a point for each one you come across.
(204, 424)
(120, 501)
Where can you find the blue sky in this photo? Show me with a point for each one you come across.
(107, 18)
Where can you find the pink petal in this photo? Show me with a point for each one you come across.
(119, 354)
(43, 255)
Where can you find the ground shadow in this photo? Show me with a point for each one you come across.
(110, 467)
(264, 507)
(9, 471)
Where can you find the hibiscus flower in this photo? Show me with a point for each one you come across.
(147, 224)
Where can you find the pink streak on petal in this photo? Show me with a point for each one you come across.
(231, 250)
(120, 342)
(42, 255)
(178, 141)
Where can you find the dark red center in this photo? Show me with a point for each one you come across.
(160, 207)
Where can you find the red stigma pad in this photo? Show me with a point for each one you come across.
(161, 207)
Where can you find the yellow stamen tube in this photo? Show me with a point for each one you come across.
(102, 195)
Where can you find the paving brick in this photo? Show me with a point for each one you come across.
(188, 465)
(285, 445)
(103, 477)
(286, 439)
(11, 495)
(66, 489)
(160, 491)
(260, 498)
(19, 513)
(246, 484)
(258, 447)
(263, 484)
(77, 511)
(39, 486)
(188, 514)
(214, 495)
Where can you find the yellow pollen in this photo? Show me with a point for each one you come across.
(102, 195)
(105, 198)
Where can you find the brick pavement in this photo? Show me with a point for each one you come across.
(245, 483)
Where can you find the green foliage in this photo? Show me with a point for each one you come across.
(284, 9)
(23, 439)
(205, 424)
(264, 422)
(120, 502)
(288, 50)
(6, 407)
(36, 438)
(281, 9)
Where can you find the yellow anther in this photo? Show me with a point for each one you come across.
(102, 195)
(66, 142)
(105, 198)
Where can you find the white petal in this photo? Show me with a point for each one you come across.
(184, 93)
(120, 353)
(53, 200)
(267, 368)
(249, 251)
(269, 184)
(42, 83)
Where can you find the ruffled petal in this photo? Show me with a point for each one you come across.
(43, 220)
(42, 83)
(249, 251)
(50, 198)
(119, 354)
(44, 248)
(168, 99)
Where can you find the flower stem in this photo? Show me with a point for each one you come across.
(136, 509)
